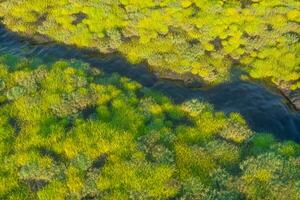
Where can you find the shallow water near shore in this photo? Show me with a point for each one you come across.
(264, 110)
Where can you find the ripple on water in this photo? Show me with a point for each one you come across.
(264, 110)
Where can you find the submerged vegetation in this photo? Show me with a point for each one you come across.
(70, 131)
(208, 38)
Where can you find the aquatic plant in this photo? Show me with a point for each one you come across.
(75, 132)
(206, 38)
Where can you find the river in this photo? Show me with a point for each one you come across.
(264, 110)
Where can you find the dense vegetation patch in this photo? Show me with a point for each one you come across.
(208, 38)
(69, 131)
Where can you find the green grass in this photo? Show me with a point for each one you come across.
(70, 131)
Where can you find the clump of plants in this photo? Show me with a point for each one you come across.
(70, 131)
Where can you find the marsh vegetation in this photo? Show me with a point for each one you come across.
(70, 129)
(207, 38)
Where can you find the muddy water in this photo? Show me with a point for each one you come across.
(264, 110)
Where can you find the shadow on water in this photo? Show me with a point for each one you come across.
(264, 110)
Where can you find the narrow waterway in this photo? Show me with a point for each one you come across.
(264, 110)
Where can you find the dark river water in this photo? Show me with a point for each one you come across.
(264, 110)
